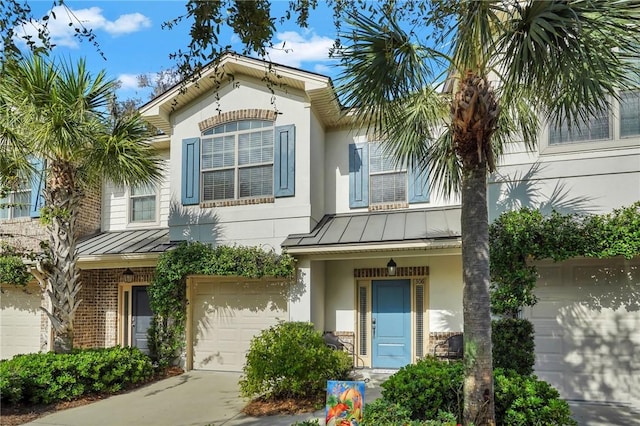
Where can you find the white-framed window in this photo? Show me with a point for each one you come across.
(377, 181)
(16, 203)
(387, 180)
(237, 160)
(594, 128)
(142, 204)
(630, 113)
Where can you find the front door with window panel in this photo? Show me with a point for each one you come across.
(391, 323)
(140, 318)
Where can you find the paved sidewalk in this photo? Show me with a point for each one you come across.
(204, 398)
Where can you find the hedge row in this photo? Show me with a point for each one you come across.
(49, 377)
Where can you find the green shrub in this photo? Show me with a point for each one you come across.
(50, 377)
(426, 387)
(291, 360)
(525, 400)
(431, 386)
(382, 412)
(513, 345)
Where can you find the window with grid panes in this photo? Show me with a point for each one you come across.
(237, 160)
(596, 127)
(630, 106)
(143, 203)
(16, 203)
(387, 180)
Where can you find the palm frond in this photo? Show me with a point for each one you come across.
(475, 35)
(381, 66)
(571, 54)
(443, 166)
(121, 154)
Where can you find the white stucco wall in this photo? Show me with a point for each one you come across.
(260, 224)
(444, 289)
(337, 174)
(317, 168)
(318, 281)
(445, 293)
(588, 177)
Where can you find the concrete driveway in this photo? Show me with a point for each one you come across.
(211, 398)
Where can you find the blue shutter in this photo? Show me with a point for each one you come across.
(37, 187)
(358, 175)
(284, 170)
(418, 185)
(190, 171)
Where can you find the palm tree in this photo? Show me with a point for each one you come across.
(504, 65)
(58, 113)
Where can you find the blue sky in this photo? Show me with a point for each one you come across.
(130, 35)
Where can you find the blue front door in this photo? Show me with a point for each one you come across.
(391, 323)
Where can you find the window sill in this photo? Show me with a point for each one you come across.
(241, 202)
(388, 206)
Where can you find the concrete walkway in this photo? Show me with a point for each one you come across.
(205, 398)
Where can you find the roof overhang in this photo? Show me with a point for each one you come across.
(436, 247)
(318, 88)
(127, 248)
(410, 230)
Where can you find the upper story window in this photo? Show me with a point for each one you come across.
(630, 113)
(239, 162)
(27, 197)
(600, 127)
(16, 203)
(387, 180)
(376, 180)
(142, 204)
(596, 127)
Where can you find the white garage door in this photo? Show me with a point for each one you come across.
(19, 321)
(226, 316)
(587, 329)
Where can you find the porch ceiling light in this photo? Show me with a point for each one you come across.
(128, 275)
(391, 268)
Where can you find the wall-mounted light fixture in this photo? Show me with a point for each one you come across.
(391, 268)
(128, 275)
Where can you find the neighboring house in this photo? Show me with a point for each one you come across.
(278, 166)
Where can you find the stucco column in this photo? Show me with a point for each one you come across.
(300, 295)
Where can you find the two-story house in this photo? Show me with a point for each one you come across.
(262, 155)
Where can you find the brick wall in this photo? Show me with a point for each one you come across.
(438, 337)
(90, 213)
(242, 114)
(26, 233)
(96, 323)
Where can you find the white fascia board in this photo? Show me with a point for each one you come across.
(376, 247)
(109, 261)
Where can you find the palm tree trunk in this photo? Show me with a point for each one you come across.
(62, 200)
(474, 115)
(478, 383)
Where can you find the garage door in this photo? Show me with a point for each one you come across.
(19, 321)
(226, 316)
(587, 324)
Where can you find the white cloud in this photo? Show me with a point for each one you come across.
(128, 81)
(293, 48)
(126, 24)
(323, 69)
(62, 34)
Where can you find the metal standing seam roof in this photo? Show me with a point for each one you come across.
(380, 227)
(126, 242)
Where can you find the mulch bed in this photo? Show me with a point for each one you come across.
(21, 414)
(260, 407)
